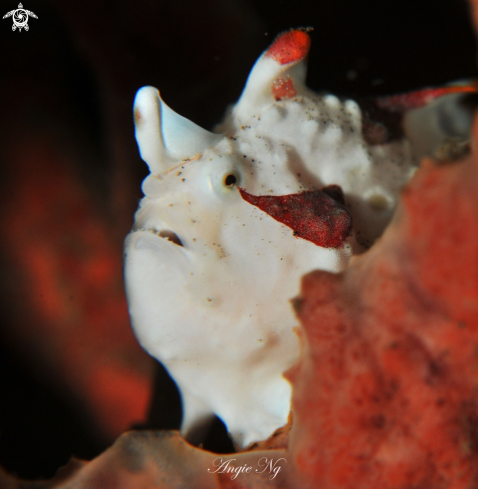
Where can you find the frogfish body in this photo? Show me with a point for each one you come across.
(289, 183)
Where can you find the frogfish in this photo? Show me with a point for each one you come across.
(291, 181)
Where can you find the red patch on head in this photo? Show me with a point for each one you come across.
(283, 88)
(289, 47)
(312, 215)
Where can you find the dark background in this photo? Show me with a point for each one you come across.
(79, 66)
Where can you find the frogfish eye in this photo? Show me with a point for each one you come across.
(230, 180)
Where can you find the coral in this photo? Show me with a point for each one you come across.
(163, 460)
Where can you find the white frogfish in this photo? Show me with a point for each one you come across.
(291, 182)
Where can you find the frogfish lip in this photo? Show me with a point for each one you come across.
(162, 232)
(170, 236)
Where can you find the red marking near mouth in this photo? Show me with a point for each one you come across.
(312, 215)
(289, 47)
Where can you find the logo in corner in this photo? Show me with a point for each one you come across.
(20, 17)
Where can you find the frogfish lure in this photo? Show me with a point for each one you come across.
(290, 182)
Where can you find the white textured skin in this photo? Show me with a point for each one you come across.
(438, 123)
(216, 311)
